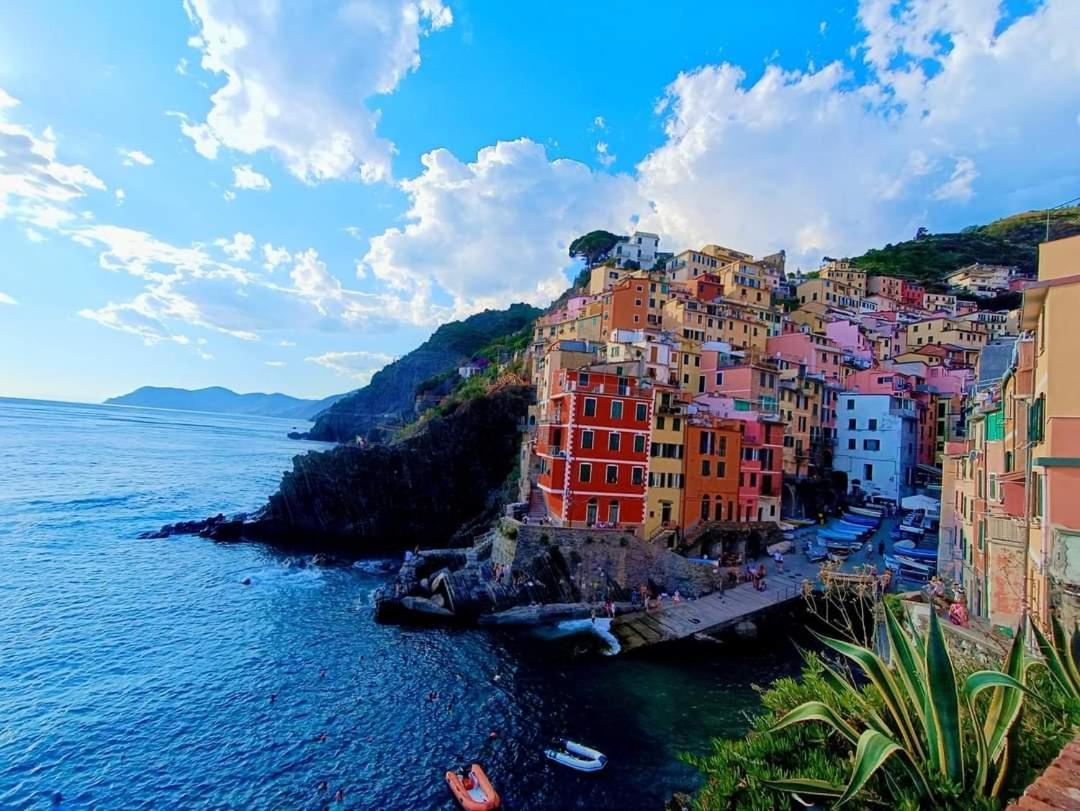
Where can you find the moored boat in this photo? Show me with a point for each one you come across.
(867, 511)
(576, 756)
(473, 790)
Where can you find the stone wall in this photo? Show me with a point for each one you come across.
(597, 560)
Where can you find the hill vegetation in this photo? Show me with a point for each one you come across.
(929, 258)
(388, 400)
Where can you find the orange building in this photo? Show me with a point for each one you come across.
(713, 450)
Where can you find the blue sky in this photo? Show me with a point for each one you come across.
(283, 199)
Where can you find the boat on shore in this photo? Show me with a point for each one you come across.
(576, 756)
(473, 790)
(869, 512)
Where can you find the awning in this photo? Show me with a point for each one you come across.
(921, 503)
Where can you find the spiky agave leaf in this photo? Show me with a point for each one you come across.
(1054, 664)
(805, 785)
(817, 711)
(1005, 703)
(991, 740)
(870, 755)
(908, 662)
(881, 677)
(942, 707)
(1064, 646)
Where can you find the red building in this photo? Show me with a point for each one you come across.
(911, 294)
(761, 472)
(594, 449)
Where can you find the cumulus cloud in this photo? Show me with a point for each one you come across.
(4, 297)
(119, 195)
(34, 236)
(357, 366)
(958, 107)
(238, 248)
(134, 157)
(277, 364)
(274, 256)
(495, 230)
(296, 83)
(244, 177)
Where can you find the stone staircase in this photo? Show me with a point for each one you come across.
(537, 507)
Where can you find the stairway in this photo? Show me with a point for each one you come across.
(537, 507)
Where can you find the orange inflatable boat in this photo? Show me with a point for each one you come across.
(473, 789)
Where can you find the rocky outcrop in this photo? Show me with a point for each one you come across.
(355, 501)
(390, 396)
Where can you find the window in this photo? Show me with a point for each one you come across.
(676, 424)
(993, 486)
(637, 476)
(719, 378)
(872, 425)
(585, 472)
(868, 472)
(660, 423)
(851, 424)
(753, 480)
(641, 412)
(721, 469)
(851, 444)
(590, 406)
(612, 474)
(613, 441)
(706, 468)
(639, 443)
(721, 447)
(586, 440)
(583, 379)
(616, 409)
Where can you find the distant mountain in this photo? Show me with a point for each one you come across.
(389, 398)
(224, 401)
(1013, 240)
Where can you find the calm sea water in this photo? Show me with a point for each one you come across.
(138, 674)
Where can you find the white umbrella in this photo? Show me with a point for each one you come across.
(921, 503)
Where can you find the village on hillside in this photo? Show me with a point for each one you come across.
(710, 389)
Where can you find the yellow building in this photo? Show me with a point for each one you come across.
(942, 330)
(828, 292)
(663, 498)
(843, 272)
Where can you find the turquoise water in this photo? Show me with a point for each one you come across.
(138, 674)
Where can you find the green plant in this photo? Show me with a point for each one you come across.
(624, 541)
(1059, 658)
(914, 732)
(511, 533)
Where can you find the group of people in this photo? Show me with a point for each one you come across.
(608, 609)
(756, 575)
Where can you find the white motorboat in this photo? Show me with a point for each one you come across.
(576, 756)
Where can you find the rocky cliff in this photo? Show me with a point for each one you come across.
(355, 501)
(389, 398)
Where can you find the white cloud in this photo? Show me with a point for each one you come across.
(286, 343)
(958, 186)
(4, 297)
(605, 157)
(296, 83)
(229, 196)
(31, 177)
(599, 123)
(354, 232)
(274, 256)
(816, 163)
(182, 67)
(823, 26)
(119, 195)
(238, 248)
(134, 156)
(33, 236)
(277, 364)
(358, 366)
(495, 230)
(244, 177)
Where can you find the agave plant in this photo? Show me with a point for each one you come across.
(918, 731)
(1059, 659)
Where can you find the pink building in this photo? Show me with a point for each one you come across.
(818, 353)
(850, 338)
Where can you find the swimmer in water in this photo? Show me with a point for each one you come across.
(339, 796)
(273, 698)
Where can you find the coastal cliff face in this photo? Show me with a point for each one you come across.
(389, 397)
(355, 501)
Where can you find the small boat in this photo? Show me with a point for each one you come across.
(909, 549)
(861, 529)
(837, 537)
(473, 790)
(576, 756)
(816, 553)
(867, 511)
(854, 518)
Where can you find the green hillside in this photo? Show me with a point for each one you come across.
(1009, 241)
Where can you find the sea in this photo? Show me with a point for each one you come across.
(144, 674)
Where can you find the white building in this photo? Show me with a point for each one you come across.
(983, 281)
(876, 443)
(639, 247)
